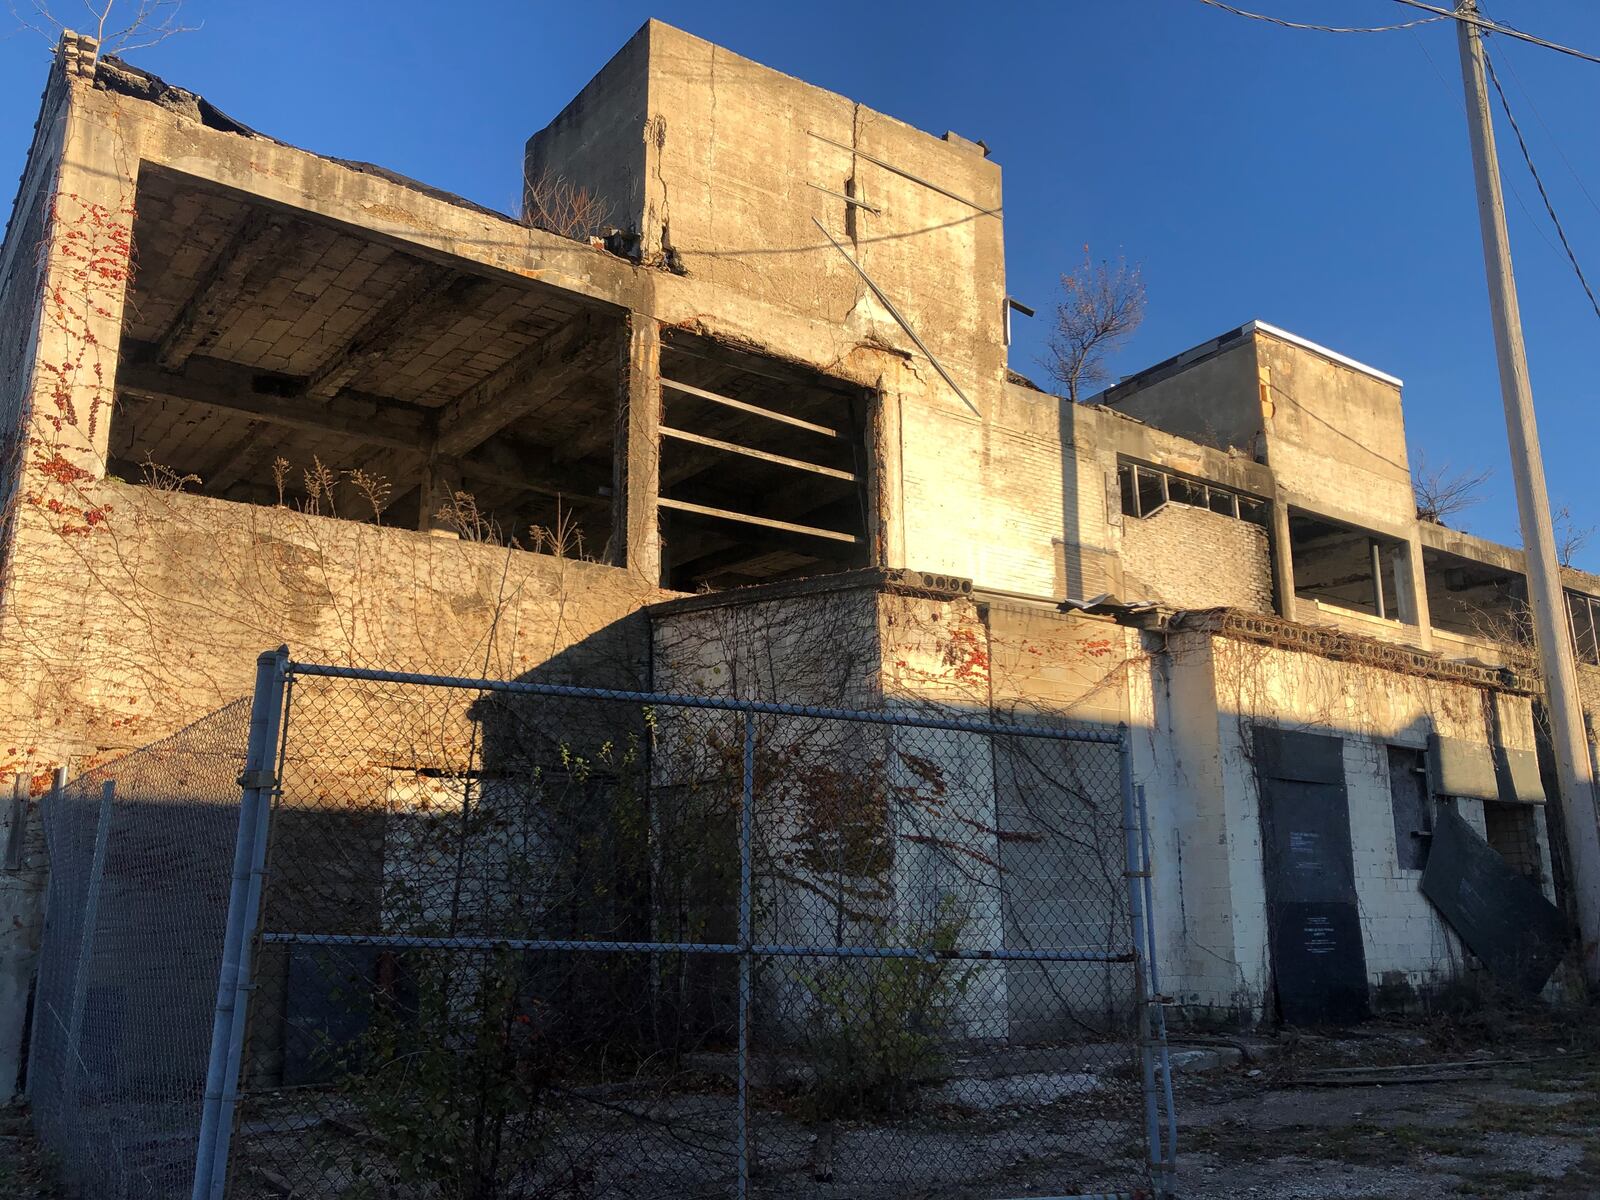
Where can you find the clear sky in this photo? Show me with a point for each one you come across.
(1316, 181)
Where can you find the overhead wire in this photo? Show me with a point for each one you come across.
(1527, 95)
(1527, 158)
(1489, 26)
(1255, 16)
(1516, 192)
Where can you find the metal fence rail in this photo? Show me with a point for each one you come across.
(528, 939)
(134, 920)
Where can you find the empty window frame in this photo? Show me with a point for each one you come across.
(1513, 831)
(1145, 489)
(1585, 614)
(763, 469)
(1412, 807)
(274, 358)
(1346, 567)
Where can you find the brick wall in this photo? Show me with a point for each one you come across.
(1193, 558)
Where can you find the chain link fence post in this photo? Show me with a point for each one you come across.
(258, 784)
(1136, 873)
(47, 810)
(91, 917)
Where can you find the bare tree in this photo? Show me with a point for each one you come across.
(554, 204)
(116, 28)
(1442, 492)
(1100, 308)
(1571, 539)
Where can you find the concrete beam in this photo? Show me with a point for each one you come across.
(245, 261)
(277, 399)
(534, 378)
(424, 296)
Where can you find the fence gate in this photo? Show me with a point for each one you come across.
(500, 939)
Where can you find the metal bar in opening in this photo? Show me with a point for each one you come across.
(705, 510)
(403, 941)
(850, 200)
(798, 464)
(905, 174)
(1377, 577)
(745, 406)
(722, 703)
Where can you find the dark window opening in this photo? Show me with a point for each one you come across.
(1346, 567)
(1585, 614)
(272, 358)
(1412, 807)
(1513, 831)
(764, 469)
(1475, 599)
(1145, 489)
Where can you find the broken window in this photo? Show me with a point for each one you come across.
(1585, 614)
(1145, 489)
(1513, 831)
(274, 358)
(1346, 567)
(1412, 807)
(763, 468)
(1475, 599)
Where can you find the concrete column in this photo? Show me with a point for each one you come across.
(441, 480)
(887, 501)
(1413, 585)
(1282, 560)
(636, 470)
(87, 273)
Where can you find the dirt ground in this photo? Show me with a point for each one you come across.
(1490, 1106)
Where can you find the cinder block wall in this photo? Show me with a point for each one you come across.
(1189, 557)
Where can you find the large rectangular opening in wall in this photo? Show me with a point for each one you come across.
(1346, 567)
(764, 468)
(1475, 599)
(273, 357)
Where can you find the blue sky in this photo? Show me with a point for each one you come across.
(1319, 182)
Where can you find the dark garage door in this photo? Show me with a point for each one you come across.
(1319, 966)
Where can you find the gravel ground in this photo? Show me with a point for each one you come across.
(1504, 1106)
(1525, 1130)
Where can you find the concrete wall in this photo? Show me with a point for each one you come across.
(1206, 700)
(1215, 399)
(1187, 557)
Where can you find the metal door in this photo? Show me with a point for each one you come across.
(1319, 966)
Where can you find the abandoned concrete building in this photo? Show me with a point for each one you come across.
(758, 407)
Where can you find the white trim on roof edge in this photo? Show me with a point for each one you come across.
(1308, 344)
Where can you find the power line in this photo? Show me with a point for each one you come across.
(1533, 224)
(1527, 95)
(1522, 145)
(1489, 26)
(1254, 16)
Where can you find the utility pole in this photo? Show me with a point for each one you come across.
(1573, 766)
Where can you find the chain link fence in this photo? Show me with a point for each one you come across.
(523, 940)
(123, 1007)
(491, 940)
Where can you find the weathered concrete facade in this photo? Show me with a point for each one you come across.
(264, 396)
